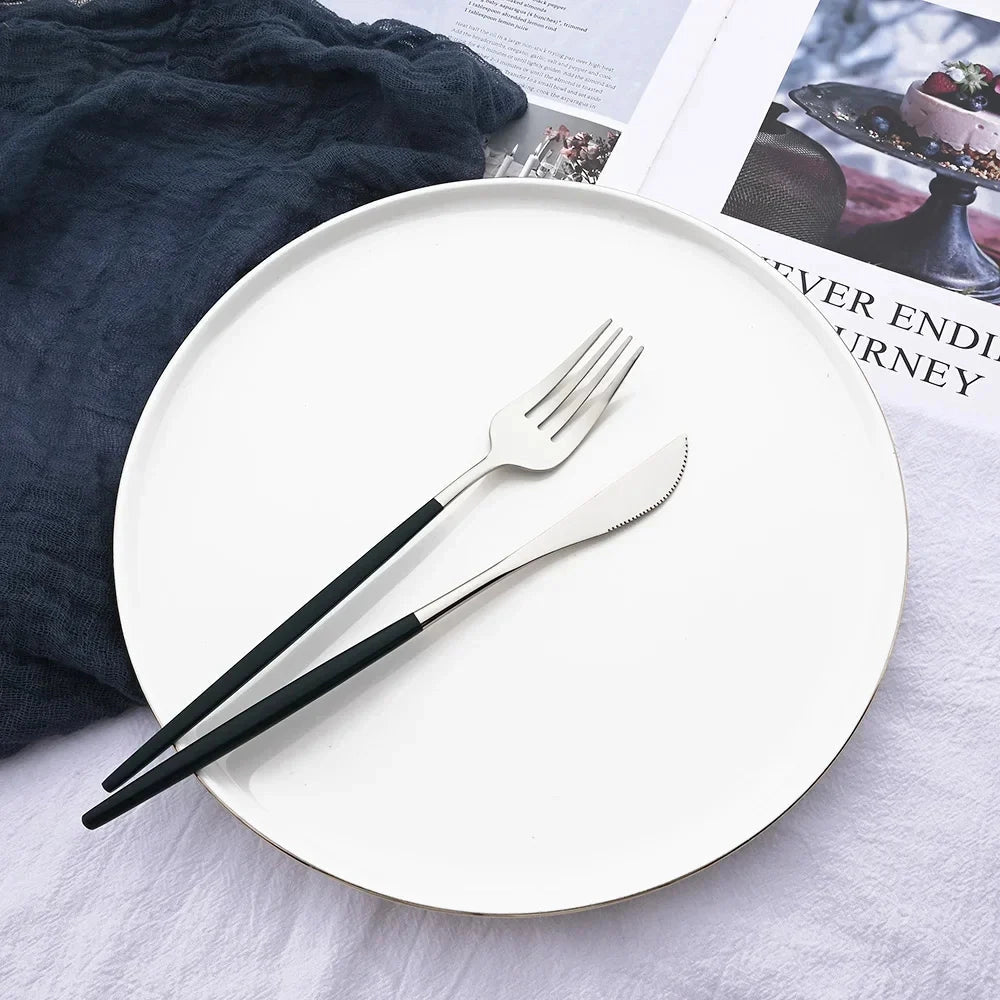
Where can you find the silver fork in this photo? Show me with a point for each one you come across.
(536, 431)
(542, 428)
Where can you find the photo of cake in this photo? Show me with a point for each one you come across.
(959, 106)
(951, 117)
(882, 143)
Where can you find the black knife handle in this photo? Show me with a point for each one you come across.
(274, 644)
(253, 721)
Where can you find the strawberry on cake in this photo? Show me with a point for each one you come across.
(959, 105)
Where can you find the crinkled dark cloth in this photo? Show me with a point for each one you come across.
(151, 153)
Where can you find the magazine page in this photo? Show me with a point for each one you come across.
(604, 81)
(860, 155)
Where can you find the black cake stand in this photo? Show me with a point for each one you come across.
(934, 243)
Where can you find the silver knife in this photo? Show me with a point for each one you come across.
(623, 502)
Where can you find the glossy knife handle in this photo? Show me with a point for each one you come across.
(253, 721)
(275, 643)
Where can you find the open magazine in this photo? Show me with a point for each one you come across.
(853, 144)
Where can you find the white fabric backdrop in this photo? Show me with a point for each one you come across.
(881, 883)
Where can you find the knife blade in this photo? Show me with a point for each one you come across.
(626, 500)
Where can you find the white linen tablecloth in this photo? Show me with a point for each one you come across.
(883, 882)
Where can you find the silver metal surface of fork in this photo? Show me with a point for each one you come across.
(543, 427)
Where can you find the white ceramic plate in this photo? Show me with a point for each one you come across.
(597, 726)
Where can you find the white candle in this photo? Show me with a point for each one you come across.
(505, 164)
(529, 166)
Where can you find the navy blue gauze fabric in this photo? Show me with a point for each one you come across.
(151, 153)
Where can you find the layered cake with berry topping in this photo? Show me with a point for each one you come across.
(959, 105)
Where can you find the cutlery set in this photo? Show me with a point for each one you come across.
(537, 431)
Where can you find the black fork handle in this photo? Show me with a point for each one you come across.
(253, 721)
(274, 644)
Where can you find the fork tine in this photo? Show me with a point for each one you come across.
(536, 394)
(583, 419)
(592, 384)
(547, 408)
